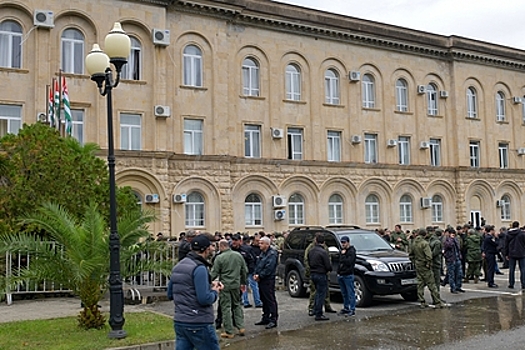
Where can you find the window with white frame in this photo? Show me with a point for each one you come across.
(296, 209)
(72, 51)
(77, 127)
(437, 209)
(369, 94)
(334, 146)
(474, 154)
(252, 141)
(523, 111)
(193, 138)
(335, 209)
(130, 132)
(10, 44)
(131, 70)
(293, 82)
(253, 210)
(435, 152)
(505, 208)
(192, 56)
(10, 119)
(401, 95)
(372, 209)
(405, 209)
(331, 87)
(472, 103)
(295, 143)
(500, 106)
(370, 148)
(250, 77)
(194, 208)
(432, 99)
(403, 146)
(503, 151)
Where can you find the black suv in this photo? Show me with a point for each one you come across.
(379, 269)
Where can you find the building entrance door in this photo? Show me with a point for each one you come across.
(475, 218)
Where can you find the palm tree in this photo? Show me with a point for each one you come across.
(79, 257)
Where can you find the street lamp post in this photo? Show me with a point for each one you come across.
(117, 45)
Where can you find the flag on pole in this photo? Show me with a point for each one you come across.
(67, 107)
(51, 103)
(57, 102)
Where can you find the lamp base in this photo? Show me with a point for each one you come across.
(118, 334)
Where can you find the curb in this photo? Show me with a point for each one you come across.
(163, 345)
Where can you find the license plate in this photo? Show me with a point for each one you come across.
(409, 281)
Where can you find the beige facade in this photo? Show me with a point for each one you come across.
(422, 115)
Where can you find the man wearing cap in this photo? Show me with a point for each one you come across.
(264, 274)
(437, 252)
(345, 276)
(185, 245)
(193, 294)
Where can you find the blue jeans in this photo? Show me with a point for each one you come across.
(455, 275)
(254, 286)
(321, 286)
(347, 290)
(195, 336)
(512, 269)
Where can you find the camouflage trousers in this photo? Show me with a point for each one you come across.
(425, 278)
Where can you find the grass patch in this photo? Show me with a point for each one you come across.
(64, 333)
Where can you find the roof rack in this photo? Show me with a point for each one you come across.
(314, 227)
(354, 227)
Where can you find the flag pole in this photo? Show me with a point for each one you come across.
(60, 101)
(47, 104)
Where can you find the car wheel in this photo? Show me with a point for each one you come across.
(362, 294)
(410, 296)
(295, 284)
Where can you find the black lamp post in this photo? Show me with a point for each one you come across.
(117, 45)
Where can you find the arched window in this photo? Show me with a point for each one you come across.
(293, 82)
(472, 103)
(253, 210)
(335, 209)
(194, 210)
(72, 51)
(405, 209)
(432, 99)
(296, 209)
(437, 209)
(331, 81)
(500, 106)
(372, 209)
(192, 66)
(369, 93)
(131, 70)
(250, 77)
(10, 44)
(505, 207)
(401, 95)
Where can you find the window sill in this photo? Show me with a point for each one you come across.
(333, 106)
(294, 102)
(473, 119)
(75, 75)
(249, 97)
(189, 87)
(14, 70)
(133, 82)
(404, 113)
(504, 122)
(435, 116)
(371, 109)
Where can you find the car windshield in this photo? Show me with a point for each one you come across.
(367, 241)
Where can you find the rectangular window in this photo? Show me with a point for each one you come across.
(474, 154)
(77, 129)
(252, 214)
(370, 148)
(372, 213)
(252, 141)
(435, 152)
(334, 146)
(295, 143)
(403, 145)
(193, 140)
(130, 132)
(293, 83)
(10, 45)
(503, 150)
(437, 211)
(10, 119)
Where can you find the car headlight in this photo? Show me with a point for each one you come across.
(378, 265)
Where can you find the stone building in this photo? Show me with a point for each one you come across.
(244, 115)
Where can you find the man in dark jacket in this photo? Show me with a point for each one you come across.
(185, 245)
(453, 259)
(320, 265)
(515, 252)
(490, 250)
(265, 275)
(345, 276)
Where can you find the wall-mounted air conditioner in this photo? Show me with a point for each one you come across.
(162, 111)
(500, 203)
(151, 198)
(277, 133)
(516, 100)
(421, 89)
(44, 19)
(391, 143)
(521, 151)
(161, 37)
(280, 214)
(354, 76)
(425, 202)
(424, 145)
(179, 198)
(356, 139)
(443, 94)
(279, 201)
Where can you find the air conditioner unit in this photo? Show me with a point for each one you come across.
(516, 100)
(41, 118)
(500, 203)
(278, 201)
(161, 37)
(179, 198)
(421, 89)
(424, 145)
(44, 19)
(521, 151)
(277, 133)
(354, 75)
(391, 143)
(280, 214)
(151, 198)
(443, 94)
(425, 202)
(162, 111)
(356, 138)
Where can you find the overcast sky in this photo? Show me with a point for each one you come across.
(499, 22)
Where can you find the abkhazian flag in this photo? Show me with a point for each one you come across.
(67, 107)
(51, 103)
(57, 103)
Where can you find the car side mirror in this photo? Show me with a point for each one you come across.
(333, 250)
